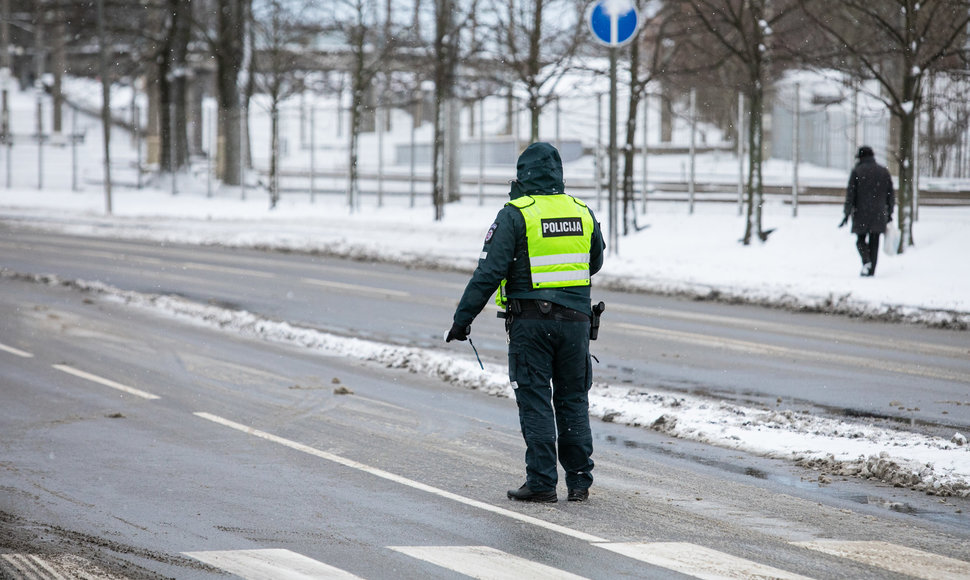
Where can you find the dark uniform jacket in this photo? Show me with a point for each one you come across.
(505, 255)
(869, 197)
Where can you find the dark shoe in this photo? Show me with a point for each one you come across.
(578, 494)
(526, 494)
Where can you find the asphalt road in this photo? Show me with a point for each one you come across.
(821, 364)
(139, 446)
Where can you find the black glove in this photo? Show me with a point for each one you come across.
(458, 333)
(845, 220)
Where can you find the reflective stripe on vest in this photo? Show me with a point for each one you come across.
(559, 232)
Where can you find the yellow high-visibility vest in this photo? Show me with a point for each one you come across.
(559, 234)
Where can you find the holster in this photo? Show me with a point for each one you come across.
(594, 321)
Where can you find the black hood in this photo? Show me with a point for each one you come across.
(538, 172)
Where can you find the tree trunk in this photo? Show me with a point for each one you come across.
(359, 83)
(510, 113)
(274, 192)
(629, 151)
(905, 202)
(105, 104)
(437, 163)
(353, 188)
(248, 89)
(181, 27)
(59, 57)
(755, 195)
(534, 66)
(165, 162)
(535, 112)
(229, 58)
(666, 117)
(444, 84)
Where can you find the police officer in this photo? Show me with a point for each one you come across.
(540, 254)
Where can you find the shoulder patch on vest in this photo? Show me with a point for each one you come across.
(491, 231)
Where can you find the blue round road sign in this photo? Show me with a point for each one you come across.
(614, 22)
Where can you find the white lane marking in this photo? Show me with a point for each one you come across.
(484, 563)
(749, 347)
(356, 288)
(401, 480)
(825, 334)
(226, 270)
(901, 559)
(271, 564)
(172, 265)
(15, 351)
(106, 382)
(698, 561)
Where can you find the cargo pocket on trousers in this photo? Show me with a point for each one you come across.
(589, 372)
(514, 366)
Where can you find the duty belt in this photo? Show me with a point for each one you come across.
(546, 310)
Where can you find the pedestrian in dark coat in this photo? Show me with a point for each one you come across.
(869, 201)
(540, 254)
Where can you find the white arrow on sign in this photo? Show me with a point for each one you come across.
(614, 22)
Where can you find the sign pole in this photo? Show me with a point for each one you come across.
(613, 23)
(614, 233)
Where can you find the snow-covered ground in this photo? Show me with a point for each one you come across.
(807, 264)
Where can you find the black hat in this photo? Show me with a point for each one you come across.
(865, 151)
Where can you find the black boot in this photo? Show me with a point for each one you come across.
(526, 494)
(578, 494)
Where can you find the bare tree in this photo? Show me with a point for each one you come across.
(749, 31)
(172, 84)
(947, 121)
(897, 44)
(357, 21)
(227, 43)
(105, 104)
(538, 40)
(452, 18)
(650, 55)
(280, 32)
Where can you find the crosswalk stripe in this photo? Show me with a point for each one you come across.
(30, 566)
(51, 572)
(270, 564)
(51, 567)
(697, 561)
(894, 558)
(485, 563)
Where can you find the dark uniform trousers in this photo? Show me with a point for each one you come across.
(546, 350)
